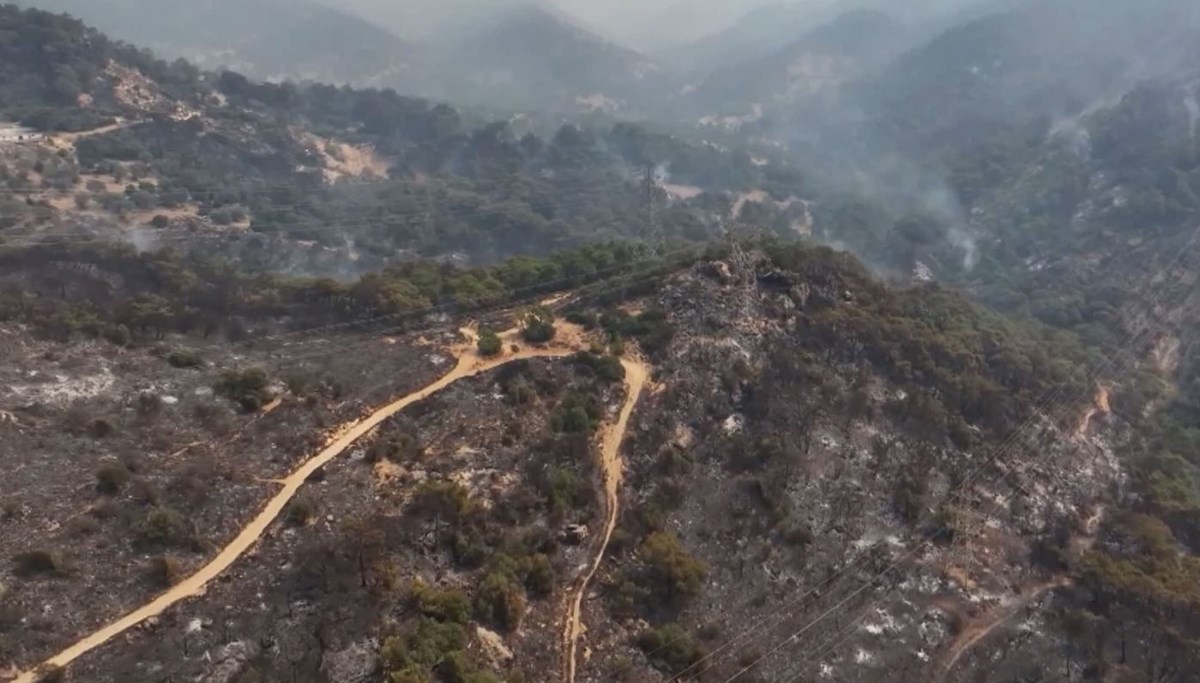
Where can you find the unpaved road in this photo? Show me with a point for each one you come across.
(68, 140)
(613, 465)
(568, 340)
(975, 632)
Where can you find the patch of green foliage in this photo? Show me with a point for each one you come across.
(538, 326)
(671, 648)
(249, 388)
(489, 344)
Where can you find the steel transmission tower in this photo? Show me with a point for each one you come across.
(651, 228)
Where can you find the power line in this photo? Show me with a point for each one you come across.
(991, 459)
(620, 285)
(1125, 350)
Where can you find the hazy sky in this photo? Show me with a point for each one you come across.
(633, 20)
(644, 24)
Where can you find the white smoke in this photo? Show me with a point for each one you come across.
(944, 204)
(143, 239)
(960, 237)
(1074, 134)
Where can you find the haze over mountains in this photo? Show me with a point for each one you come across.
(878, 338)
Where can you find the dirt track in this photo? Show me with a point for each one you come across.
(568, 341)
(612, 464)
(975, 632)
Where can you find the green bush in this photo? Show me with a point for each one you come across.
(110, 478)
(668, 572)
(500, 601)
(184, 358)
(247, 387)
(607, 368)
(164, 527)
(585, 319)
(540, 577)
(301, 511)
(577, 414)
(538, 327)
(39, 563)
(421, 648)
(671, 648)
(442, 604)
(489, 344)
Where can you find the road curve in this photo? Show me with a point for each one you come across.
(612, 464)
(975, 633)
(469, 364)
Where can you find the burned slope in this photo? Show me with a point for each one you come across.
(129, 467)
(826, 454)
(443, 543)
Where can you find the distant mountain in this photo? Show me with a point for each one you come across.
(821, 59)
(508, 55)
(272, 39)
(531, 57)
(756, 34)
(1041, 58)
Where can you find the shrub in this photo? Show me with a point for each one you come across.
(184, 358)
(540, 578)
(667, 570)
(48, 673)
(500, 601)
(414, 653)
(585, 319)
(247, 387)
(102, 428)
(164, 527)
(442, 604)
(301, 511)
(671, 648)
(607, 368)
(118, 335)
(38, 562)
(149, 404)
(576, 415)
(111, 478)
(489, 344)
(298, 386)
(563, 490)
(538, 327)
(163, 571)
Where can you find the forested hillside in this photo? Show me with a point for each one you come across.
(272, 39)
(390, 174)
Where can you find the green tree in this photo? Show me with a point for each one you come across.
(500, 601)
(538, 326)
(489, 344)
(668, 571)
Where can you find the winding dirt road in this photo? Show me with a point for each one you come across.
(976, 632)
(568, 340)
(613, 465)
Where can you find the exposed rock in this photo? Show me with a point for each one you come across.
(684, 438)
(228, 661)
(493, 647)
(354, 664)
(575, 534)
